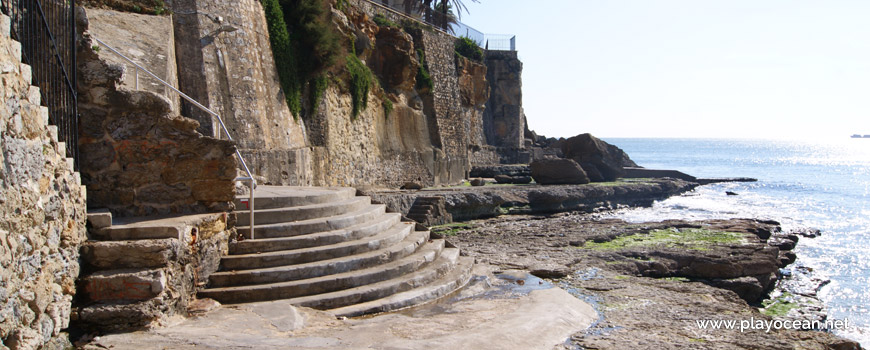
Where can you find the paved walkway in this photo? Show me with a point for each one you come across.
(493, 312)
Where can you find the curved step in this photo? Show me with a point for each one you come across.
(305, 212)
(429, 273)
(324, 284)
(368, 228)
(449, 283)
(393, 235)
(298, 228)
(320, 268)
(269, 197)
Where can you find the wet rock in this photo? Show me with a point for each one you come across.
(478, 182)
(558, 171)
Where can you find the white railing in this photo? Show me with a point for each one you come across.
(250, 178)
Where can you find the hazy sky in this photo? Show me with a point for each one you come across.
(689, 68)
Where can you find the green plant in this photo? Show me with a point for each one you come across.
(382, 21)
(282, 51)
(137, 9)
(779, 306)
(96, 48)
(304, 46)
(688, 238)
(388, 107)
(317, 87)
(341, 5)
(424, 80)
(360, 82)
(467, 48)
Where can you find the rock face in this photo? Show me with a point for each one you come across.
(42, 212)
(138, 157)
(557, 172)
(601, 160)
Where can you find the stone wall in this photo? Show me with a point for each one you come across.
(233, 73)
(137, 156)
(503, 119)
(42, 212)
(146, 40)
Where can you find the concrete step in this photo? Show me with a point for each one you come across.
(427, 274)
(320, 268)
(393, 235)
(127, 233)
(449, 283)
(368, 228)
(123, 285)
(330, 283)
(288, 229)
(305, 212)
(150, 253)
(270, 197)
(124, 316)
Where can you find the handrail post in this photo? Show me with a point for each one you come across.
(137, 78)
(251, 206)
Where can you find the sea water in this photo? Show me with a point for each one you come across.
(822, 184)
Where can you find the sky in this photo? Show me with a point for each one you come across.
(689, 68)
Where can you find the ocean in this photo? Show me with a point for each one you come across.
(823, 185)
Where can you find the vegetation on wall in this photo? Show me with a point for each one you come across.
(148, 7)
(360, 81)
(388, 107)
(382, 21)
(424, 80)
(467, 48)
(304, 46)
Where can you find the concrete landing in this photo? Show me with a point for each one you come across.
(492, 312)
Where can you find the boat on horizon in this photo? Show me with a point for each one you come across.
(856, 136)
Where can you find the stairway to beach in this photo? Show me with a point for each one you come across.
(328, 249)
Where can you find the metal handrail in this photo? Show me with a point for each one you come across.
(250, 178)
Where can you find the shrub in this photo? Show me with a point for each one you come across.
(317, 87)
(283, 52)
(304, 46)
(424, 80)
(360, 82)
(466, 47)
(388, 107)
(382, 21)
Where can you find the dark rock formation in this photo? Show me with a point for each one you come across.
(500, 169)
(558, 171)
(594, 154)
(507, 179)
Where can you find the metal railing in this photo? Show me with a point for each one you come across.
(450, 25)
(47, 32)
(500, 42)
(250, 178)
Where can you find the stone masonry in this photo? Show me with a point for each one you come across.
(42, 212)
(138, 157)
(233, 73)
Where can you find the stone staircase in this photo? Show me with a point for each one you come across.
(328, 249)
(430, 211)
(138, 271)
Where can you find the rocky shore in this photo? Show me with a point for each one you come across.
(651, 283)
(467, 203)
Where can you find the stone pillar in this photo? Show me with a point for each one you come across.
(503, 118)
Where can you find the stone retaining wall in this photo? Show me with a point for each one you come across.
(42, 212)
(137, 156)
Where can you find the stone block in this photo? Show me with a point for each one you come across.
(124, 285)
